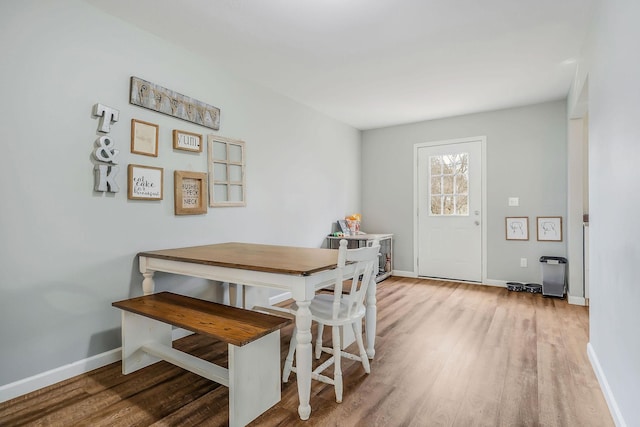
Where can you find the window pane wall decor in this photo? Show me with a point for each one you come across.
(226, 172)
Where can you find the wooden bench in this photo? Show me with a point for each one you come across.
(253, 375)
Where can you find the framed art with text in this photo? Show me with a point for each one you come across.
(190, 192)
(144, 182)
(187, 141)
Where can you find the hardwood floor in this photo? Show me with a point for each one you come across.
(447, 354)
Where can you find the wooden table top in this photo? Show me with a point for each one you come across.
(251, 256)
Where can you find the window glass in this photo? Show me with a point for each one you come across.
(449, 184)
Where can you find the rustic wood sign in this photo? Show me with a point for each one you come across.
(157, 98)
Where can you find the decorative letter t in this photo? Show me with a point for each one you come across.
(107, 116)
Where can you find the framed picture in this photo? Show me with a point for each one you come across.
(549, 228)
(144, 183)
(187, 141)
(517, 227)
(144, 138)
(190, 191)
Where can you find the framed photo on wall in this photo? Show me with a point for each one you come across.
(144, 183)
(187, 141)
(517, 227)
(144, 138)
(549, 228)
(190, 192)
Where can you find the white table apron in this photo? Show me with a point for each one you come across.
(302, 288)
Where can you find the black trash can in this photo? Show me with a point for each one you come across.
(554, 276)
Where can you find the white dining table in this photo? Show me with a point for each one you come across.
(301, 271)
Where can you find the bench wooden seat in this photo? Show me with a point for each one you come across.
(253, 373)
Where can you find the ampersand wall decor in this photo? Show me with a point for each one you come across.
(106, 151)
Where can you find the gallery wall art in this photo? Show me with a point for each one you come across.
(157, 98)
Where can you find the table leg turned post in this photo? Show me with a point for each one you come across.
(148, 285)
(370, 318)
(303, 357)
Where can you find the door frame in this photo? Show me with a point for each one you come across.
(483, 221)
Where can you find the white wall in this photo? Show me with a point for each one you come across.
(611, 66)
(67, 252)
(526, 157)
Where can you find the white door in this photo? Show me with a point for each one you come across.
(449, 202)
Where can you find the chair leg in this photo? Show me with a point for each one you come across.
(337, 369)
(288, 363)
(319, 340)
(357, 331)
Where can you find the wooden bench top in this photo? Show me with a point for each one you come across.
(230, 324)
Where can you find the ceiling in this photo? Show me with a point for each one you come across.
(376, 63)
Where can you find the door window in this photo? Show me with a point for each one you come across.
(449, 184)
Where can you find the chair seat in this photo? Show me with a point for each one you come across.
(321, 308)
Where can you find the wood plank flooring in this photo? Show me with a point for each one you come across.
(447, 354)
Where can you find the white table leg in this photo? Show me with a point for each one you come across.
(303, 357)
(370, 318)
(148, 285)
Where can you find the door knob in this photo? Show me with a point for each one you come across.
(476, 222)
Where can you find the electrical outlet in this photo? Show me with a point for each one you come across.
(523, 262)
(514, 201)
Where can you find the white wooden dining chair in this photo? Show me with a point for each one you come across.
(340, 309)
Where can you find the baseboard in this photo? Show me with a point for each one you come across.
(576, 300)
(44, 379)
(488, 282)
(279, 298)
(604, 386)
(493, 282)
(401, 273)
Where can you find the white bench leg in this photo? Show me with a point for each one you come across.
(139, 330)
(254, 378)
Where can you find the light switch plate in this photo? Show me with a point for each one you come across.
(514, 201)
